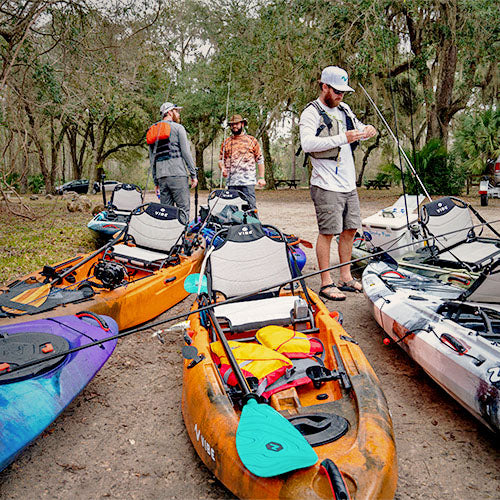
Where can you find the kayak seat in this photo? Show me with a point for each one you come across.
(152, 237)
(247, 262)
(256, 314)
(219, 199)
(125, 198)
(449, 222)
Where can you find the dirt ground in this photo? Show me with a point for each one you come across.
(124, 437)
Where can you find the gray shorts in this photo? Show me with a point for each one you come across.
(336, 212)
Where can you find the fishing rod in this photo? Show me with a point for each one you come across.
(401, 150)
(211, 306)
(225, 125)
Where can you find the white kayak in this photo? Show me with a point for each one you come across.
(454, 335)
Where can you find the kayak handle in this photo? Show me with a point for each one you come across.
(100, 321)
(336, 480)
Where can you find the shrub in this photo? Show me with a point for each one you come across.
(36, 183)
(437, 170)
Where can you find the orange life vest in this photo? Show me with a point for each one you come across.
(158, 132)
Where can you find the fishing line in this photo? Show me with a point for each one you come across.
(384, 121)
(225, 123)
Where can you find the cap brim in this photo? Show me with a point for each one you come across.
(344, 88)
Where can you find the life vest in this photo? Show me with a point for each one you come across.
(255, 360)
(291, 344)
(159, 136)
(328, 128)
(158, 132)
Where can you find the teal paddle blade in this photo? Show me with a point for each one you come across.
(268, 444)
(192, 282)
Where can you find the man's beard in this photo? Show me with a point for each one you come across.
(238, 132)
(329, 101)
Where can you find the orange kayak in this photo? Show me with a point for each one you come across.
(141, 294)
(346, 420)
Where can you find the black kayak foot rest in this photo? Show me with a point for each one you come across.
(320, 428)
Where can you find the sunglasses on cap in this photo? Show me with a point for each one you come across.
(335, 91)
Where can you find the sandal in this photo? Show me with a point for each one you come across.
(351, 286)
(336, 292)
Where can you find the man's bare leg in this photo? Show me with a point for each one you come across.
(323, 245)
(346, 240)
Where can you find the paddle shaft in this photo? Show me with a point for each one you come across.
(242, 381)
(196, 200)
(228, 301)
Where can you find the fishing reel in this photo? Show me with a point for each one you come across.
(111, 274)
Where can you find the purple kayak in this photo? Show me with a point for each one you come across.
(32, 398)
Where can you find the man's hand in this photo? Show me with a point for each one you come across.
(194, 182)
(355, 135)
(369, 131)
(157, 191)
(261, 182)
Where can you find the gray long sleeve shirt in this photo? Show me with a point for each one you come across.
(174, 167)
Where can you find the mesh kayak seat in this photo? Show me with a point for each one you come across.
(219, 199)
(462, 246)
(246, 262)
(242, 316)
(125, 198)
(156, 231)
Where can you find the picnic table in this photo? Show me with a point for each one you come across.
(377, 184)
(291, 183)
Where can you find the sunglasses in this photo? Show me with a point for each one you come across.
(335, 91)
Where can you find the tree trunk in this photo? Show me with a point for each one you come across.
(268, 161)
(371, 147)
(439, 115)
(438, 93)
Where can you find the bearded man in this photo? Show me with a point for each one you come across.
(239, 154)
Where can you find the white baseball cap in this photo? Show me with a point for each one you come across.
(337, 78)
(168, 106)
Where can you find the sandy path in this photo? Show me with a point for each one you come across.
(123, 437)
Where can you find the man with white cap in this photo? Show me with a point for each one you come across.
(170, 158)
(329, 133)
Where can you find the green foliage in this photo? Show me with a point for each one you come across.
(11, 181)
(436, 169)
(477, 140)
(36, 183)
(29, 246)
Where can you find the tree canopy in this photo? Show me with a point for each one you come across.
(80, 83)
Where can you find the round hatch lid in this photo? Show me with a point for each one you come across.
(20, 348)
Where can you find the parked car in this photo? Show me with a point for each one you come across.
(490, 187)
(109, 186)
(78, 186)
